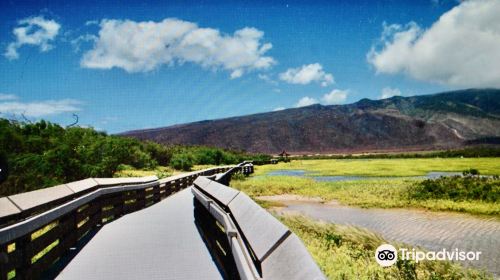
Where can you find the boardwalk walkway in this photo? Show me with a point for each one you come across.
(159, 242)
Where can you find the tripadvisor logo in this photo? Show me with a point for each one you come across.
(387, 255)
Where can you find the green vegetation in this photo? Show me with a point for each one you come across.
(341, 251)
(471, 152)
(387, 167)
(44, 154)
(159, 171)
(468, 188)
(183, 161)
(471, 194)
(378, 193)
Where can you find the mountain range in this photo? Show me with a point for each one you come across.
(425, 122)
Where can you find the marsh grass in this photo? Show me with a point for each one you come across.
(129, 171)
(269, 204)
(379, 193)
(458, 188)
(346, 252)
(386, 167)
(159, 171)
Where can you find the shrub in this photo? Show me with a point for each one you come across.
(238, 176)
(457, 189)
(160, 153)
(184, 161)
(44, 154)
(471, 172)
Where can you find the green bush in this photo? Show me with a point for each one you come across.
(44, 154)
(238, 176)
(471, 172)
(458, 189)
(160, 153)
(182, 161)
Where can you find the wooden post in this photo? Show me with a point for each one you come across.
(24, 270)
(156, 194)
(141, 198)
(71, 222)
(4, 259)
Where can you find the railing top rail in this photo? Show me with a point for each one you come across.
(34, 221)
(279, 253)
(188, 174)
(23, 205)
(21, 228)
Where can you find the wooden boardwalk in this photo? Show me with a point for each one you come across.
(159, 242)
(188, 226)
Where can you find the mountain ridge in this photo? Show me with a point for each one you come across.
(434, 121)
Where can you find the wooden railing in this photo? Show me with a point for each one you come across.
(40, 227)
(261, 246)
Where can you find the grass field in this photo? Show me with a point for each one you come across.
(341, 251)
(344, 252)
(160, 171)
(386, 167)
(390, 193)
(381, 193)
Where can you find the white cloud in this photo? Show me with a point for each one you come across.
(388, 92)
(236, 74)
(307, 74)
(35, 31)
(306, 101)
(145, 46)
(4, 97)
(279, 109)
(460, 49)
(38, 108)
(78, 41)
(267, 78)
(336, 96)
(91, 22)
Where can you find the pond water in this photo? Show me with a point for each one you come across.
(429, 230)
(303, 173)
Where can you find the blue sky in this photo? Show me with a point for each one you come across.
(118, 73)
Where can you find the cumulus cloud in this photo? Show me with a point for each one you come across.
(306, 101)
(388, 92)
(145, 46)
(38, 108)
(307, 74)
(336, 96)
(279, 109)
(460, 49)
(35, 31)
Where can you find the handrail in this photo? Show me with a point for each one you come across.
(225, 178)
(262, 247)
(243, 259)
(41, 226)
